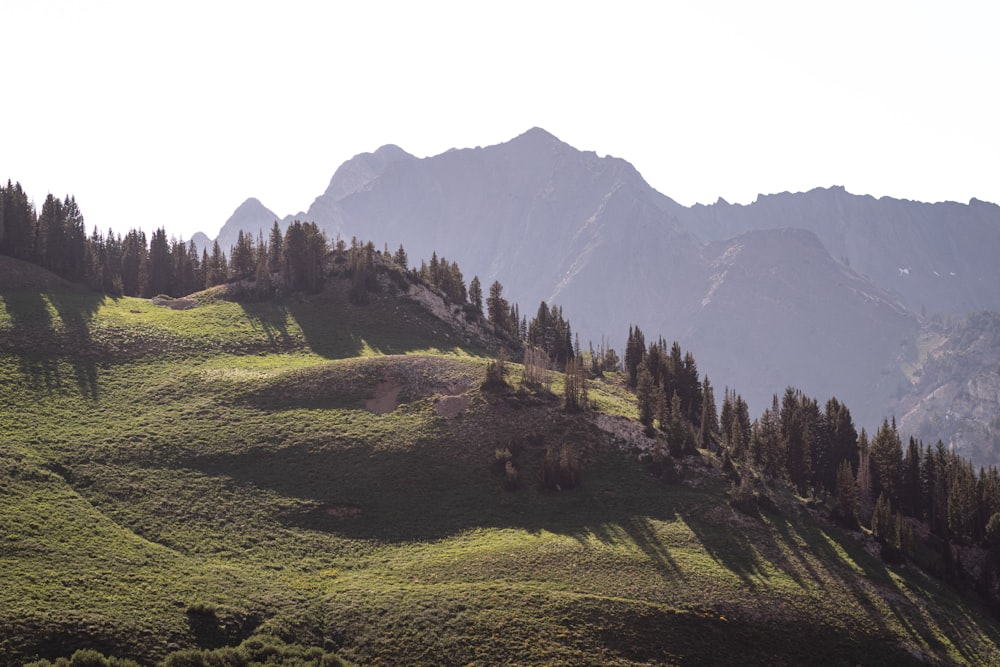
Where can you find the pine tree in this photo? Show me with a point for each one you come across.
(18, 239)
(796, 434)
(401, 259)
(74, 266)
(726, 419)
(847, 494)
(50, 236)
(497, 306)
(159, 269)
(709, 430)
(476, 294)
(215, 273)
(887, 462)
(646, 395)
(242, 263)
(275, 249)
(635, 352)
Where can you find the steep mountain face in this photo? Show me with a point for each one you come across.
(779, 310)
(956, 395)
(550, 222)
(351, 177)
(939, 258)
(818, 290)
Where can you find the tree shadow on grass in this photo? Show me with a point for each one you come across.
(420, 493)
(272, 318)
(335, 328)
(43, 343)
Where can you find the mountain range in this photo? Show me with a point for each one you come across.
(825, 290)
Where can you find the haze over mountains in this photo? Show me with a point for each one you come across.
(824, 290)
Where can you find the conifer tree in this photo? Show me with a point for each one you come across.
(401, 259)
(475, 294)
(275, 245)
(847, 494)
(726, 419)
(242, 263)
(50, 237)
(159, 265)
(18, 222)
(635, 352)
(887, 462)
(497, 306)
(74, 263)
(218, 268)
(709, 430)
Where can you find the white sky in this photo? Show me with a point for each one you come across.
(171, 114)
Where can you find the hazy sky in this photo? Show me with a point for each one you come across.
(172, 113)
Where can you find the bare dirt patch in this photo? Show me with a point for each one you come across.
(386, 398)
(174, 304)
(342, 511)
(450, 407)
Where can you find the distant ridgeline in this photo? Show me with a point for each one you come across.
(819, 451)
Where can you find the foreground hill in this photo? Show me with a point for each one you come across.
(311, 473)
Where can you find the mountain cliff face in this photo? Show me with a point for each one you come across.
(820, 290)
(956, 393)
(938, 258)
(779, 310)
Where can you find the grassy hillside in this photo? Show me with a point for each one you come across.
(180, 479)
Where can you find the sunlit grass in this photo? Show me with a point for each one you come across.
(223, 459)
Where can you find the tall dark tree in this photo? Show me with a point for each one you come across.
(241, 257)
(18, 216)
(645, 392)
(50, 235)
(910, 500)
(635, 352)
(887, 462)
(847, 494)
(475, 294)
(689, 388)
(134, 252)
(709, 430)
(797, 424)
(218, 267)
(402, 260)
(839, 443)
(497, 306)
(726, 419)
(300, 263)
(275, 248)
(74, 261)
(159, 265)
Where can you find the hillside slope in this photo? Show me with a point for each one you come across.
(327, 473)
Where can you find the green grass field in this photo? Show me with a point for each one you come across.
(181, 479)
